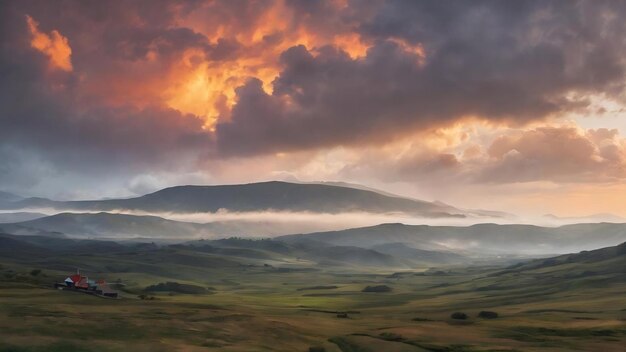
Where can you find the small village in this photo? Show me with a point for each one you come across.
(78, 282)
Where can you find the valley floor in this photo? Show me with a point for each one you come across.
(263, 308)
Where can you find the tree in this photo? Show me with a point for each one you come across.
(458, 316)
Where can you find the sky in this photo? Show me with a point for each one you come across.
(514, 106)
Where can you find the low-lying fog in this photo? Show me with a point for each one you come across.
(273, 223)
(483, 240)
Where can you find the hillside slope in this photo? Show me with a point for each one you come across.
(477, 239)
(276, 196)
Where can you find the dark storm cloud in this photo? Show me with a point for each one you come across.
(499, 60)
(430, 63)
(42, 118)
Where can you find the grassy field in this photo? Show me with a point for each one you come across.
(283, 304)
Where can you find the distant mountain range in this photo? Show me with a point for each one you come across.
(124, 227)
(595, 263)
(477, 241)
(485, 239)
(105, 225)
(264, 196)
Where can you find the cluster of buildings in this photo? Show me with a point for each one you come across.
(82, 283)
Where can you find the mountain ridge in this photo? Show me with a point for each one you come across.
(479, 238)
(261, 196)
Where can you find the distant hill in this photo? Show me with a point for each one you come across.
(6, 218)
(320, 253)
(106, 225)
(277, 196)
(25, 248)
(587, 270)
(608, 259)
(481, 239)
(125, 226)
(434, 244)
(401, 250)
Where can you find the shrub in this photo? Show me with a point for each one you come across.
(390, 336)
(35, 272)
(379, 288)
(485, 314)
(458, 316)
(330, 287)
(176, 287)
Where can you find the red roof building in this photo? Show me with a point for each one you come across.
(82, 283)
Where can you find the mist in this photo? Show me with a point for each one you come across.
(278, 223)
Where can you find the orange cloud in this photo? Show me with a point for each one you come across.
(206, 88)
(54, 45)
(352, 44)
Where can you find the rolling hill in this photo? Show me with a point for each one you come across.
(438, 244)
(481, 239)
(25, 247)
(121, 226)
(597, 262)
(125, 226)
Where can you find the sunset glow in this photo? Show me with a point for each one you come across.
(312, 175)
(54, 45)
(420, 101)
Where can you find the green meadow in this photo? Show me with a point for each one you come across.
(282, 303)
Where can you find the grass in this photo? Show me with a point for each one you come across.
(61, 346)
(255, 307)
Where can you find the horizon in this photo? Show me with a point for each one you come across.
(373, 218)
(457, 102)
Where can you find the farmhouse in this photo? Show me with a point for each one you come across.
(78, 282)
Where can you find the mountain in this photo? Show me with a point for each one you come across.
(481, 239)
(264, 196)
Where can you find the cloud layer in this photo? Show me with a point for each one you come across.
(326, 89)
